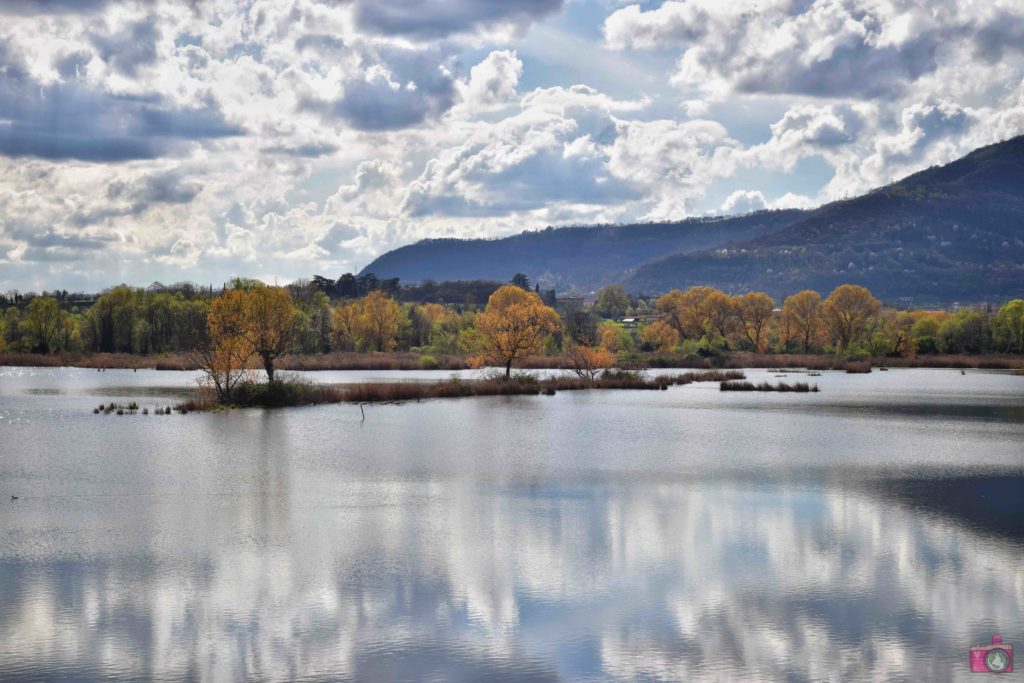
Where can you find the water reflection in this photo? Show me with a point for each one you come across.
(401, 580)
(673, 535)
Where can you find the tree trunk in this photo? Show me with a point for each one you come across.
(268, 365)
(508, 370)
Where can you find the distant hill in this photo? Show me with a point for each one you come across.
(581, 258)
(950, 233)
(953, 232)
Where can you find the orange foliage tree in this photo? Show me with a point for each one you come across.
(588, 362)
(514, 325)
(661, 335)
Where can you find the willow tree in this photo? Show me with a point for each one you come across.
(1010, 325)
(514, 325)
(697, 312)
(380, 321)
(347, 326)
(801, 319)
(754, 312)
(224, 352)
(270, 324)
(660, 335)
(847, 314)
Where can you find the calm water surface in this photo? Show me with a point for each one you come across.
(873, 531)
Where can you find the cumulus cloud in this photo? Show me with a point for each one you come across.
(747, 201)
(928, 133)
(675, 162)
(555, 150)
(744, 201)
(493, 82)
(823, 48)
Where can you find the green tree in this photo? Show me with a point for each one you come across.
(521, 281)
(41, 324)
(612, 301)
(1009, 326)
(965, 331)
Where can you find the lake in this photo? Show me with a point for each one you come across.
(873, 531)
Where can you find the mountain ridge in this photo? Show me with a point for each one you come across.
(944, 234)
(576, 257)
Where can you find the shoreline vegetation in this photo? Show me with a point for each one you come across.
(239, 339)
(408, 360)
(292, 392)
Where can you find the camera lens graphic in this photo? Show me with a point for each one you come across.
(997, 660)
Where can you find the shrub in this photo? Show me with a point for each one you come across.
(857, 367)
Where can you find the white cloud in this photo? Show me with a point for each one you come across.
(493, 82)
(744, 201)
(823, 48)
(174, 140)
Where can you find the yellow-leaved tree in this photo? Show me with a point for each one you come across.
(270, 327)
(660, 335)
(801, 319)
(698, 312)
(347, 326)
(847, 314)
(381, 317)
(754, 313)
(224, 352)
(514, 326)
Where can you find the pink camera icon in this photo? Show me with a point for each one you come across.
(995, 658)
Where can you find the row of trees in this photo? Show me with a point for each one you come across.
(850, 321)
(699, 320)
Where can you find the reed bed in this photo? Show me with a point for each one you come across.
(798, 387)
(295, 392)
(128, 409)
(708, 376)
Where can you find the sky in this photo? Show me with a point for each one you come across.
(157, 141)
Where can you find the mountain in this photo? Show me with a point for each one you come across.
(949, 233)
(581, 258)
